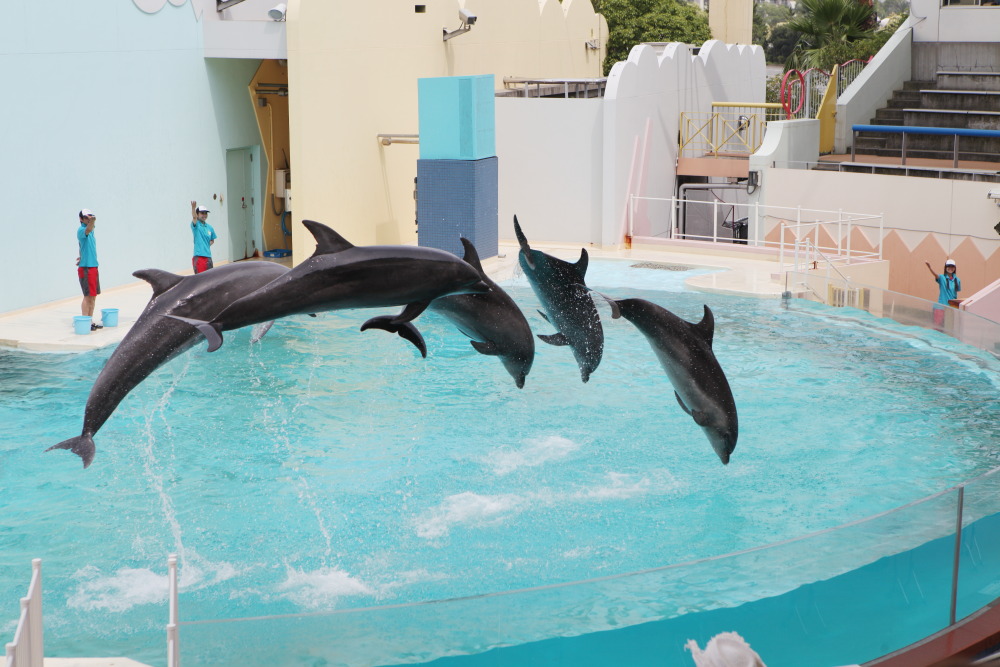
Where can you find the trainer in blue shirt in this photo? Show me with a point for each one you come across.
(86, 264)
(204, 237)
(949, 285)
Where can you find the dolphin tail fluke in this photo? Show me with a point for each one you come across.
(81, 445)
(404, 330)
(615, 310)
(211, 331)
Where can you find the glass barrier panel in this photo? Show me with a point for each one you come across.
(979, 560)
(840, 597)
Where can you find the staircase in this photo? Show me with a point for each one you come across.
(968, 100)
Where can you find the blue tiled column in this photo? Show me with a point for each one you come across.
(458, 198)
(457, 169)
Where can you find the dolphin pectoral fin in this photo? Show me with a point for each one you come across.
(312, 314)
(404, 330)
(159, 280)
(410, 312)
(489, 349)
(554, 339)
(544, 316)
(681, 403)
(211, 332)
(81, 445)
(260, 330)
(522, 240)
(328, 241)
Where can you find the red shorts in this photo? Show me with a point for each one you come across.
(201, 263)
(90, 283)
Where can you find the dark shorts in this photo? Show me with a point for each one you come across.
(90, 282)
(201, 263)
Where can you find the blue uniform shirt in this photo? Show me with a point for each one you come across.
(203, 235)
(88, 246)
(949, 288)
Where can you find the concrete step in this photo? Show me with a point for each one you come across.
(972, 120)
(892, 116)
(936, 142)
(951, 80)
(964, 100)
(870, 140)
(919, 85)
(926, 172)
(911, 153)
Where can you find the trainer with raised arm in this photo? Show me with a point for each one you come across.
(86, 263)
(204, 237)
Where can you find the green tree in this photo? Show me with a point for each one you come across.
(828, 23)
(862, 49)
(780, 43)
(632, 22)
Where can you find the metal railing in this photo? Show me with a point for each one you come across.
(796, 233)
(731, 129)
(907, 130)
(28, 647)
(566, 88)
(802, 92)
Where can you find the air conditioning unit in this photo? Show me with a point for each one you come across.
(848, 297)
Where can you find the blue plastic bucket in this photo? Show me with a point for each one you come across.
(81, 324)
(109, 317)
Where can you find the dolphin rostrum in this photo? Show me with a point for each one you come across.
(340, 275)
(567, 302)
(153, 340)
(493, 322)
(685, 352)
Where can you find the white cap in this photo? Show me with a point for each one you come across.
(201, 209)
(950, 262)
(86, 213)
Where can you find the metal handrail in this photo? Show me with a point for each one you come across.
(906, 130)
(389, 139)
(584, 85)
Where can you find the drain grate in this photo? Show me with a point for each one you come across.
(661, 266)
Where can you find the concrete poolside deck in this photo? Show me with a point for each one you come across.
(49, 327)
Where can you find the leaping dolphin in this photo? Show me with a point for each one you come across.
(493, 322)
(561, 288)
(154, 340)
(685, 352)
(341, 275)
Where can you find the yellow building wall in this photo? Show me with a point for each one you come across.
(353, 69)
(731, 21)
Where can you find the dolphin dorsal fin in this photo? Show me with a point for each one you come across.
(472, 257)
(706, 328)
(582, 263)
(327, 240)
(160, 280)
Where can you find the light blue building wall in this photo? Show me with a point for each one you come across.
(117, 110)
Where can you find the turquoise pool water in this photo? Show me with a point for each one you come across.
(326, 468)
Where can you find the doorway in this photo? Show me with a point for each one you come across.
(244, 232)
